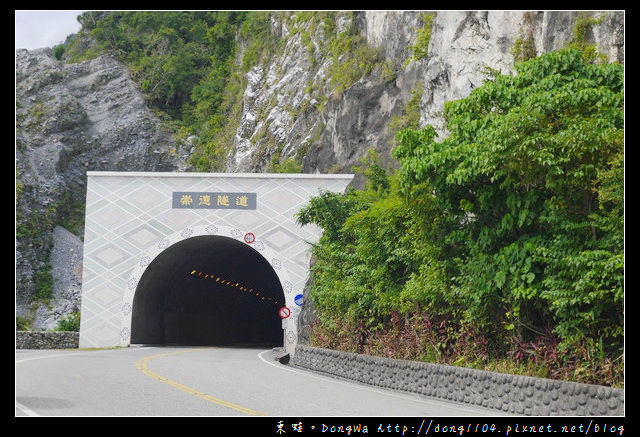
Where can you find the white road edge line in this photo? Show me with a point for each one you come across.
(26, 410)
(42, 357)
(84, 352)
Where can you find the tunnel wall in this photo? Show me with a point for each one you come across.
(132, 217)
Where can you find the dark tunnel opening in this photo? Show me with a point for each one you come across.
(208, 290)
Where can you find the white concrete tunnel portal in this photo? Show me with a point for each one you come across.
(208, 290)
(221, 270)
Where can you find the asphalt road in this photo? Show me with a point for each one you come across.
(167, 381)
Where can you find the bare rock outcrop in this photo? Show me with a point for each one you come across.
(70, 119)
(292, 110)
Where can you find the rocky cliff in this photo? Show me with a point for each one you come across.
(328, 129)
(73, 118)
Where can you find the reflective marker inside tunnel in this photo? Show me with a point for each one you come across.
(208, 290)
(220, 281)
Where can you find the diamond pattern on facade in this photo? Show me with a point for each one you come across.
(280, 238)
(143, 236)
(109, 255)
(130, 220)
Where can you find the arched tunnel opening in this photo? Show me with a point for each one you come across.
(208, 290)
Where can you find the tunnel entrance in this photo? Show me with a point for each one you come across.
(208, 290)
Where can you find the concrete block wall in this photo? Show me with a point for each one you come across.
(510, 394)
(46, 340)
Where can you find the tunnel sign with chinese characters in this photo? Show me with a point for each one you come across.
(209, 200)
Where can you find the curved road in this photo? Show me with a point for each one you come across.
(175, 381)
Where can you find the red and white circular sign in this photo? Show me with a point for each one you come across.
(249, 238)
(284, 312)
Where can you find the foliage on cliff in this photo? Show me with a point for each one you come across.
(505, 239)
(191, 65)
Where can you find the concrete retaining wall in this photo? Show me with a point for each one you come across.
(507, 393)
(46, 340)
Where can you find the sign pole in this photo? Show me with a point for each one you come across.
(284, 313)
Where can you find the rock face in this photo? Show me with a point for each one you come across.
(307, 119)
(66, 270)
(72, 119)
(91, 116)
(328, 131)
(464, 44)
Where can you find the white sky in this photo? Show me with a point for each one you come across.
(37, 29)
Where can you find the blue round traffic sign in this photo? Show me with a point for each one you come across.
(298, 300)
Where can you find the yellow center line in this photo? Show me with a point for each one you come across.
(142, 365)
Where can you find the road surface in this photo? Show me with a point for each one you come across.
(183, 381)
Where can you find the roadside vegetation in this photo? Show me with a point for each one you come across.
(499, 247)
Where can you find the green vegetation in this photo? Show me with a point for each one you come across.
(352, 58)
(44, 284)
(187, 64)
(582, 26)
(420, 49)
(524, 47)
(502, 243)
(191, 65)
(22, 323)
(410, 118)
(70, 323)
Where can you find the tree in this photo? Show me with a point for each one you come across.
(528, 185)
